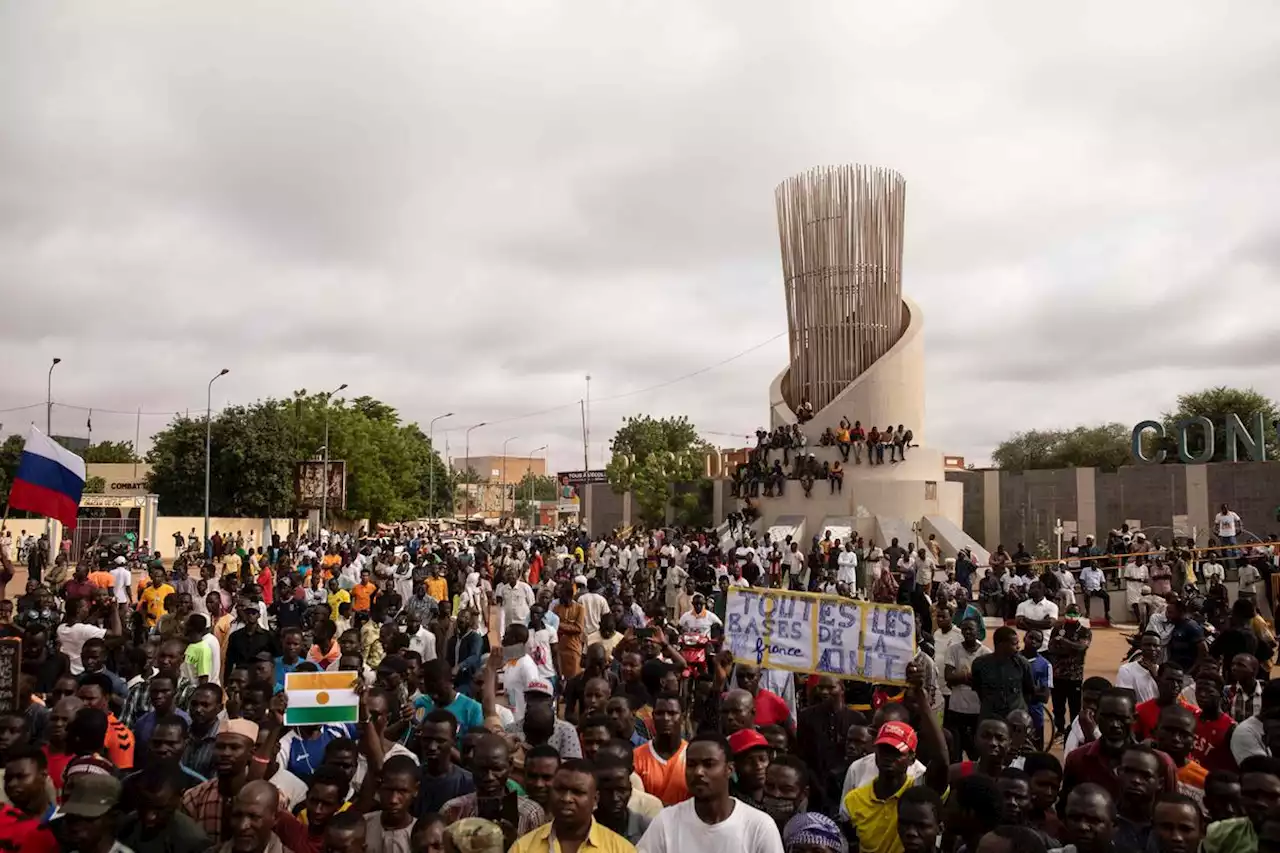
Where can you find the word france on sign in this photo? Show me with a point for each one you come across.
(814, 633)
(317, 698)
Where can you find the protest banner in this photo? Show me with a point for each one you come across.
(813, 633)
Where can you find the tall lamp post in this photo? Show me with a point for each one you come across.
(504, 477)
(533, 507)
(431, 489)
(48, 428)
(48, 408)
(466, 499)
(324, 490)
(208, 450)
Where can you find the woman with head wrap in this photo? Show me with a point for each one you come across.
(812, 832)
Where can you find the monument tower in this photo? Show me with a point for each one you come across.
(856, 350)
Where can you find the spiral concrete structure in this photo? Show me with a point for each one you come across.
(856, 350)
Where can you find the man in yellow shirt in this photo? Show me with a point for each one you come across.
(337, 597)
(437, 587)
(151, 599)
(573, 827)
(873, 808)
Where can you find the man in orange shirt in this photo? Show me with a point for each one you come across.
(660, 762)
(101, 578)
(1175, 737)
(571, 631)
(94, 690)
(363, 593)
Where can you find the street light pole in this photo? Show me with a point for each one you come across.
(504, 477)
(48, 408)
(324, 490)
(208, 450)
(48, 428)
(533, 508)
(431, 489)
(466, 491)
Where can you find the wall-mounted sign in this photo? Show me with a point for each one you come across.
(1254, 440)
(113, 501)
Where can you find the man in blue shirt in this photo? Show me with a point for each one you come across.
(438, 692)
(1041, 679)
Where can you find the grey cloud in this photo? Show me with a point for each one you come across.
(461, 208)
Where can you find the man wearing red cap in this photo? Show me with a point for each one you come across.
(751, 756)
(873, 808)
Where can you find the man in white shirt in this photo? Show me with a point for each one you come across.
(945, 636)
(519, 668)
(595, 605)
(122, 581)
(421, 640)
(516, 597)
(1140, 675)
(797, 565)
(847, 566)
(1093, 581)
(73, 634)
(676, 577)
(1037, 612)
(711, 819)
(699, 620)
(1227, 523)
(1212, 568)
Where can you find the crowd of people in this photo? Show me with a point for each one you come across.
(562, 692)
(763, 475)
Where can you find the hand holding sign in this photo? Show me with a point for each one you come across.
(803, 632)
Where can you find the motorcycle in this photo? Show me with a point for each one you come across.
(694, 648)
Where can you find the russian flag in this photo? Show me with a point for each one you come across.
(50, 480)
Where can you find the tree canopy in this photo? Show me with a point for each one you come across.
(543, 488)
(255, 450)
(111, 451)
(1216, 404)
(1101, 446)
(1109, 445)
(650, 456)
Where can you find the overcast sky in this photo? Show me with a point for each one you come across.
(469, 206)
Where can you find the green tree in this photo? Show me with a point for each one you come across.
(1101, 446)
(650, 456)
(255, 450)
(543, 489)
(1216, 404)
(95, 486)
(10, 455)
(111, 451)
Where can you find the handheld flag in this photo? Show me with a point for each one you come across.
(50, 480)
(316, 698)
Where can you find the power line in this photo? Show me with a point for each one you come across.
(655, 387)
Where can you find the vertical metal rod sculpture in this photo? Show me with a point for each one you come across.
(841, 235)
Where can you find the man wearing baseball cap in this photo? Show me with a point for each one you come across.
(89, 809)
(873, 807)
(751, 755)
(540, 724)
